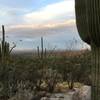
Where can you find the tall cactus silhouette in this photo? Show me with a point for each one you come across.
(5, 49)
(3, 43)
(88, 24)
(4, 46)
(42, 49)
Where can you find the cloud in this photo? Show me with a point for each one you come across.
(11, 16)
(55, 34)
(55, 22)
(39, 29)
(70, 22)
(54, 12)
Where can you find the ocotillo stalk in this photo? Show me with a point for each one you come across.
(88, 24)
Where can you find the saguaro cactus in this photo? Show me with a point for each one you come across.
(42, 48)
(88, 24)
(3, 42)
(5, 49)
(4, 46)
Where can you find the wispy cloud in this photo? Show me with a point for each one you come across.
(51, 13)
(29, 20)
(11, 16)
(39, 29)
(66, 23)
(54, 12)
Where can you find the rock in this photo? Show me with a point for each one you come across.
(76, 96)
(42, 93)
(54, 98)
(36, 98)
(60, 96)
(45, 98)
(85, 93)
(48, 95)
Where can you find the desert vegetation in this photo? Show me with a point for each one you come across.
(46, 72)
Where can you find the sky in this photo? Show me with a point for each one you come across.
(26, 21)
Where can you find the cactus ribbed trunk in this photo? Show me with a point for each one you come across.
(4, 48)
(88, 24)
(82, 20)
(95, 73)
(93, 16)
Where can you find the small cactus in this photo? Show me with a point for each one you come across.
(38, 51)
(42, 49)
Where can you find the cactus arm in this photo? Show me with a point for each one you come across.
(3, 43)
(81, 20)
(3, 33)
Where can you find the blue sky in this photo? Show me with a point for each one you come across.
(28, 20)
